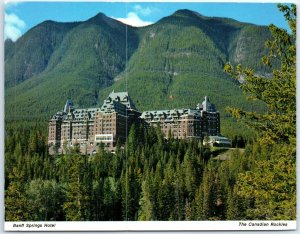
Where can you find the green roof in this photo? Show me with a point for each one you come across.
(121, 97)
(169, 114)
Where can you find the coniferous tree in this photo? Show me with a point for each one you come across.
(208, 193)
(277, 128)
(198, 204)
(146, 205)
(232, 208)
(76, 205)
(46, 198)
(16, 202)
(278, 124)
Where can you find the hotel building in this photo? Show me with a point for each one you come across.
(88, 128)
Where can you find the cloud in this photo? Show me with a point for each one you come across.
(13, 26)
(145, 11)
(134, 17)
(134, 20)
(9, 5)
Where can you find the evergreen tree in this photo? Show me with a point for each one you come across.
(232, 208)
(188, 210)
(278, 124)
(76, 205)
(146, 206)
(272, 187)
(46, 198)
(208, 193)
(271, 182)
(16, 202)
(198, 204)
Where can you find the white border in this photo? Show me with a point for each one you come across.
(135, 225)
(151, 226)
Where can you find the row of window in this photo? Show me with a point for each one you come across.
(104, 138)
(109, 124)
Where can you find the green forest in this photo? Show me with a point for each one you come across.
(151, 178)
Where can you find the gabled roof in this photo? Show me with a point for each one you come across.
(68, 105)
(88, 113)
(169, 114)
(113, 98)
(208, 106)
(115, 102)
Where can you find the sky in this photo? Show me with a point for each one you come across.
(21, 16)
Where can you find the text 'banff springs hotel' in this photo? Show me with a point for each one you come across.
(90, 127)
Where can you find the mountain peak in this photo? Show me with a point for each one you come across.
(102, 19)
(186, 12)
(99, 17)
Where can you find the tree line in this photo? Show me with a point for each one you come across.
(148, 179)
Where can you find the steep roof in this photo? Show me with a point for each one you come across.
(81, 114)
(110, 103)
(169, 115)
(208, 106)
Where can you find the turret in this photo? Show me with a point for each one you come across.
(207, 106)
(68, 105)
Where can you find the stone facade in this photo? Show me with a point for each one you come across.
(202, 121)
(90, 127)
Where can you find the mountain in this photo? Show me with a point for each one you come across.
(31, 54)
(182, 57)
(173, 63)
(85, 58)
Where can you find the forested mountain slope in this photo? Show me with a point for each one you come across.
(173, 63)
(180, 59)
(87, 59)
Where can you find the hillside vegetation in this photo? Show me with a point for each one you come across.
(173, 63)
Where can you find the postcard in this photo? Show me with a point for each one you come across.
(149, 116)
